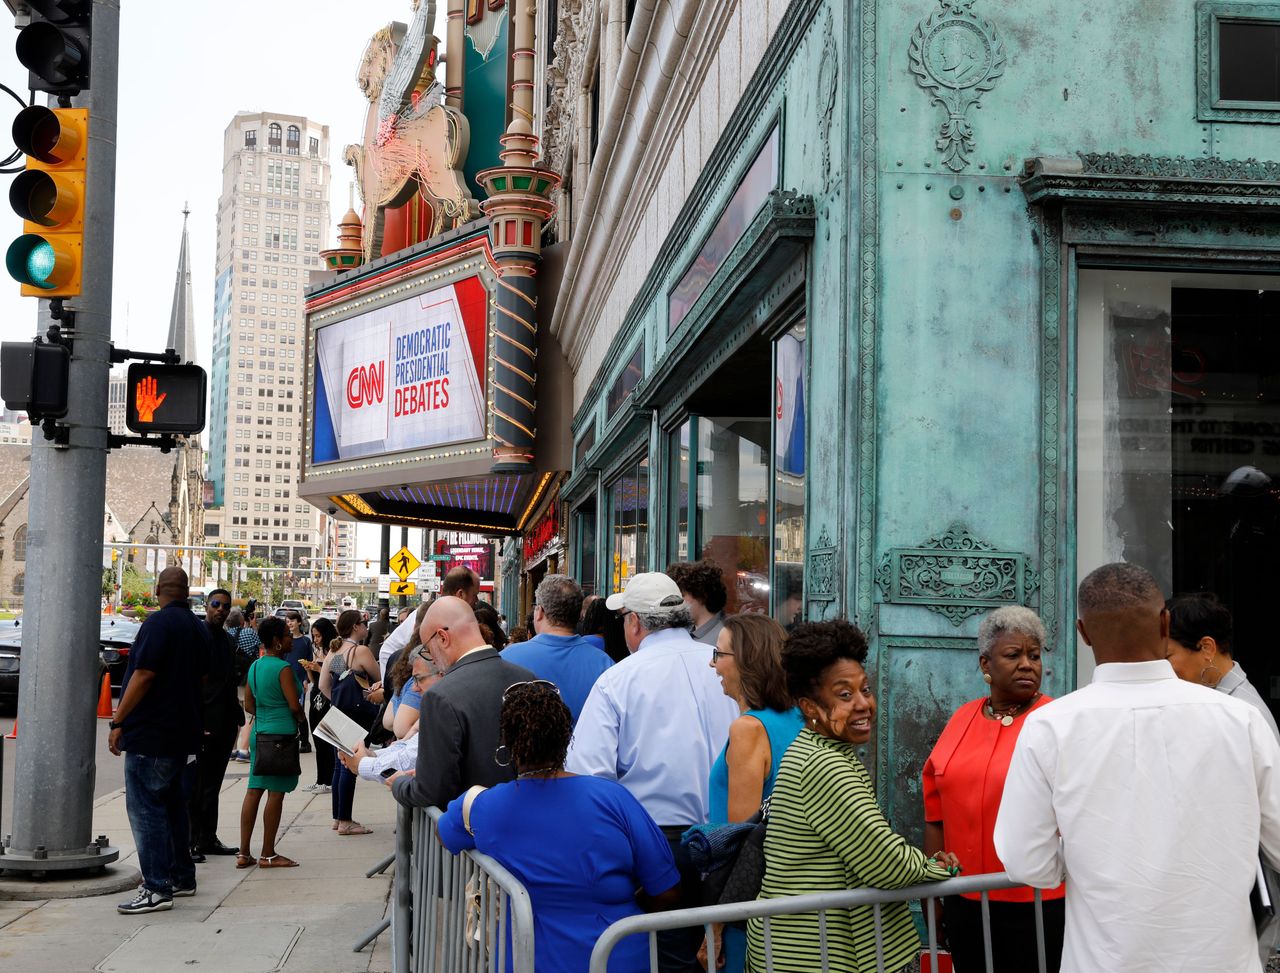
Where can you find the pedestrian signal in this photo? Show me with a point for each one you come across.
(165, 398)
(49, 196)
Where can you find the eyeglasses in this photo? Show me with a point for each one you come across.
(529, 682)
(717, 653)
(443, 628)
(219, 604)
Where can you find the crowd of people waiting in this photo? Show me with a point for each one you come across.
(594, 758)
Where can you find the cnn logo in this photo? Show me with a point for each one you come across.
(365, 384)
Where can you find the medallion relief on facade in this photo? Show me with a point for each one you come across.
(957, 575)
(956, 56)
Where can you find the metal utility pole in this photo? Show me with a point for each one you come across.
(384, 560)
(54, 775)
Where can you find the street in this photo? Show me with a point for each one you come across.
(109, 777)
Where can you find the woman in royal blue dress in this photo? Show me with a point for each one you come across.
(583, 847)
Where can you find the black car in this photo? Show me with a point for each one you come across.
(10, 659)
(115, 638)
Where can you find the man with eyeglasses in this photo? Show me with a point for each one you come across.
(458, 721)
(655, 722)
(222, 718)
(402, 755)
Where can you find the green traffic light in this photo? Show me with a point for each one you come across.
(31, 260)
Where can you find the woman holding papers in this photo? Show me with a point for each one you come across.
(271, 696)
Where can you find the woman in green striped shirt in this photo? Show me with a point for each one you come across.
(826, 832)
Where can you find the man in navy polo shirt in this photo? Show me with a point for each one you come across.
(557, 653)
(158, 725)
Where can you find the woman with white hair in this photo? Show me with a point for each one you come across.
(963, 783)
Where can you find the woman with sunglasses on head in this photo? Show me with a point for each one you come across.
(348, 659)
(406, 689)
(583, 847)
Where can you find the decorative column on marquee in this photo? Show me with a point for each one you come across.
(519, 202)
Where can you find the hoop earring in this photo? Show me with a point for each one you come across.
(1210, 682)
(502, 763)
(986, 677)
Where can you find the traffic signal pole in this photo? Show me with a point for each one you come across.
(54, 774)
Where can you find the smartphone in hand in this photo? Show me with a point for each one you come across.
(389, 772)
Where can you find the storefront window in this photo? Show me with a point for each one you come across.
(626, 381)
(788, 475)
(733, 505)
(629, 523)
(1179, 441)
(680, 461)
(584, 531)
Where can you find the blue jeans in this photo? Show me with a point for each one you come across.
(156, 793)
(344, 791)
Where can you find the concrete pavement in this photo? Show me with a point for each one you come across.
(294, 920)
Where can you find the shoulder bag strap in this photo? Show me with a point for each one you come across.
(468, 799)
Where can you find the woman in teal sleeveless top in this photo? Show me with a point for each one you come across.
(271, 697)
(748, 660)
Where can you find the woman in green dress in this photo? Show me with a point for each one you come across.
(271, 697)
(826, 832)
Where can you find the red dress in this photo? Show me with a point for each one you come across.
(963, 783)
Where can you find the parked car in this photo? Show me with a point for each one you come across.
(10, 662)
(116, 636)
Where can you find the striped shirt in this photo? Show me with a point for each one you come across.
(826, 833)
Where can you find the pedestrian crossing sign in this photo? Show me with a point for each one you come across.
(403, 563)
(403, 588)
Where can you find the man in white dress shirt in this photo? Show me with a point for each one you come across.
(1149, 795)
(655, 722)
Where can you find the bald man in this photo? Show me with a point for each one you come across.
(158, 727)
(458, 725)
(1149, 795)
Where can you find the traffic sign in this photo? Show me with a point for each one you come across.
(403, 588)
(384, 583)
(429, 569)
(432, 584)
(441, 557)
(403, 563)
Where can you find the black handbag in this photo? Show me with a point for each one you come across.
(276, 755)
(740, 880)
(348, 695)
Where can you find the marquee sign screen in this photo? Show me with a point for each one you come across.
(409, 375)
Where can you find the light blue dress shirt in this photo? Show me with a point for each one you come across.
(655, 723)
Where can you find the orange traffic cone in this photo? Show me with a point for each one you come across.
(104, 699)
(13, 732)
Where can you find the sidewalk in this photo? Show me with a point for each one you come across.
(296, 920)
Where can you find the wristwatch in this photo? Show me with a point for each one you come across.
(113, 725)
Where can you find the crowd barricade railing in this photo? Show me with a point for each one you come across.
(451, 914)
(822, 903)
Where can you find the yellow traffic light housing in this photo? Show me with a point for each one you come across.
(49, 196)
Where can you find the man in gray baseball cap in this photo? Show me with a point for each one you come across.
(655, 722)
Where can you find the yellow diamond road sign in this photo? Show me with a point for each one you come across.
(403, 563)
(403, 588)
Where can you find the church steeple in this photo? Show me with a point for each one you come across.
(182, 331)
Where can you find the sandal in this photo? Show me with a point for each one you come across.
(277, 861)
(356, 828)
(243, 860)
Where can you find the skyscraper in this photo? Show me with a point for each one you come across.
(273, 216)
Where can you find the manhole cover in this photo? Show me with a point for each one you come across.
(185, 947)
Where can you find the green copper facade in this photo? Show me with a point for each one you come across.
(946, 171)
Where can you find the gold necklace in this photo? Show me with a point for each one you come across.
(1005, 716)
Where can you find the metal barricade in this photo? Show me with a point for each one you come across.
(821, 903)
(454, 914)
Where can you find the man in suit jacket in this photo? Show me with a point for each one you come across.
(458, 727)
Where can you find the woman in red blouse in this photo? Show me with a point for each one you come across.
(963, 782)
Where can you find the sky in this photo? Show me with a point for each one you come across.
(186, 68)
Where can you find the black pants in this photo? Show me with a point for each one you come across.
(678, 948)
(211, 768)
(325, 758)
(1013, 935)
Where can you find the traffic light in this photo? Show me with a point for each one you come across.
(165, 398)
(49, 196)
(54, 46)
(115, 555)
